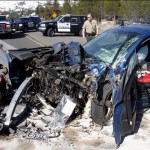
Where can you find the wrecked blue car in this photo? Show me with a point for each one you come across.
(107, 77)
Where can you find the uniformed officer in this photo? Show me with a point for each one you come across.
(90, 28)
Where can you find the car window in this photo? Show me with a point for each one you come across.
(111, 46)
(2, 18)
(142, 53)
(83, 18)
(23, 19)
(66, 19)
(75, 19)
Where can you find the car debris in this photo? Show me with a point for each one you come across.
(56, 84)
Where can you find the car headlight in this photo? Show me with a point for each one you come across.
(42, 25)
(8, 26)
(20, 25)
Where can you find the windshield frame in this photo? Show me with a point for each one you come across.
(58, 18)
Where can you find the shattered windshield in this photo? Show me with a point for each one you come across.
(111, 46)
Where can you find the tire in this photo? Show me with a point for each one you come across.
(9, 35)
(25, 29)
(101, 109)
(44, 34)
(50, 32)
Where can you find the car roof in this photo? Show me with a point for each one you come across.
(141, 29)
(23, 17)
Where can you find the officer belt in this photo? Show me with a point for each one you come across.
(90, 34)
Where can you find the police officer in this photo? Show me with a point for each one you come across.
(90, 28)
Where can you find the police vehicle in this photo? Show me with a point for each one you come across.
(27, 23)
(63, 24)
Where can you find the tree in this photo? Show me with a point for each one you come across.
(111, 8)
(55, 7)
(66, 8)
(134, 9)
(20, 7)
(92, 6)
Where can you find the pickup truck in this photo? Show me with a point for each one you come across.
(27, 23)
(5, 26)
(63, 24)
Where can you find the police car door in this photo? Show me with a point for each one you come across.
(125, 102)
(63, 24)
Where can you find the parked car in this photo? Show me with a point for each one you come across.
(27, 23)
(5, 26)
(63, 24)
(111, 72)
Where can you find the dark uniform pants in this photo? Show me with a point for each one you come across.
(89, 36)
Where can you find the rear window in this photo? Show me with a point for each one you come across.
(23, 19)
(34, 19)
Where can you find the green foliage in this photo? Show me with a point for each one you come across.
(55, 7)
(111, 8)
(46, 11)
(134, 9)
(100, 9)
(66, 8)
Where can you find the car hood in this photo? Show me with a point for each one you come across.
(23, 54)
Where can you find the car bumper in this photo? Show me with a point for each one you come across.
(20, 28)
(13, 30)
(5, 31)
(42, 29)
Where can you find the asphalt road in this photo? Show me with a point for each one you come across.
(36, 39)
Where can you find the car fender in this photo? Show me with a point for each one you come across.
(50, 26)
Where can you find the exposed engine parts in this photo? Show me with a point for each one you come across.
(57, 86)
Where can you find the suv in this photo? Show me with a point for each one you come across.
(27, 23)
(5, 26)
(63, 24)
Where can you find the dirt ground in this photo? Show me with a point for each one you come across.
(83, 134)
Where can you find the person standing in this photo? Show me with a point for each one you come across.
(90, 28)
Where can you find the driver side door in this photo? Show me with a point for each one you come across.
(63, 24)
(125, 102)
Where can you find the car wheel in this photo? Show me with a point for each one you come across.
(50, 32)
(44, 34)
(101, 110)
(8, 35)
(25, 30)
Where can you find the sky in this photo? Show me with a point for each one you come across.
(10, 4)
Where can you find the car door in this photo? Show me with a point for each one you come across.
(75, 24)
(125, 101)
(63, 24)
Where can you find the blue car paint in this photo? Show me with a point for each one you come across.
(121, 69)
